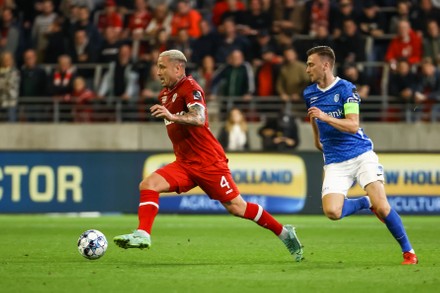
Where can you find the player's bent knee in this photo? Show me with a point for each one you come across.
(149, 183)
(383, 210)
(333, 214)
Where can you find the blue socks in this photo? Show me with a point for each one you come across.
(395, 225)
(351, 206)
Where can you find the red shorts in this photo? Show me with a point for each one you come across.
(216, 180)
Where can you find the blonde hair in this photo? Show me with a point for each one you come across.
(175, 55)
(230, 123)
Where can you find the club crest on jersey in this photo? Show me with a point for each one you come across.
(164, 99)
(197, 95)
(174, 97)
(336, 98)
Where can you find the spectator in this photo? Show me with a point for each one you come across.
(82, 52)
(10, 32)
(357, 77)
(230, 41)
(292, 79)
(254, 19)
(161, 21)
(9, 87)
(345, 10)
(62, 85)
(139, 19)
(161, 41)
(66, 6)
(351, 73)
(223, 6)
(407, 44)
(421, 14)
(152, 87)
(284, 41)
(183, 43)
(401, 87)
(186, 18)
(33, 79)
(350, 46)
(205, 44)
(33, 84)
(82, 99)
(402, 13)
(317, 13)
(280, 134)
(234, 12)
(288, 16)
(56, 42)
(110, 47)
(234, 135)
(120, 83)
(205, 73)
(110, 18)
(321, 38)
(85, 24)
(266, 74)
(41, 27)
(263, 42)
(431, 42)
(234, 79)
(372, 21)
(427, 92)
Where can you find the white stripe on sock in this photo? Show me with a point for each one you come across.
(260, 212)
(149, 203)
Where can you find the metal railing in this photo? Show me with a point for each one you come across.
(55, 110)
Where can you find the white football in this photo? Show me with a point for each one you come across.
(92, 244)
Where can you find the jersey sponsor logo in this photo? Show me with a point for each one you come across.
(174, 97)
(164, 99)
(313, 99)
(336, 98)
(197, 95)
(335, 114)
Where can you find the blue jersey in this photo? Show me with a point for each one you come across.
(337, 146)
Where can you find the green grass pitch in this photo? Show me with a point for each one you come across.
(217, 254)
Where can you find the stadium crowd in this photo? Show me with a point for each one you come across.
(96, 58)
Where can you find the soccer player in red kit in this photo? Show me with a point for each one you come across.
(200, 160)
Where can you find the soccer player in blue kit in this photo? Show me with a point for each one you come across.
(333, 108)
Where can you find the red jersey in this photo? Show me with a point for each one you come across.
(191, 144)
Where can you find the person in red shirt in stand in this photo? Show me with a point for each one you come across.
(407, 44)
(186, 18)
(139, 19)
(223, 6)
(110, 18)
(200, 160)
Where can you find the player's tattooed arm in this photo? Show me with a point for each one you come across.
(195, 116)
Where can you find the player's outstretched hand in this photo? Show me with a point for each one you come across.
(160, 111)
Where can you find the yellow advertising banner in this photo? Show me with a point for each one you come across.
(408, 175)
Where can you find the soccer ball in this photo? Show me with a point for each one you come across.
(92, 244)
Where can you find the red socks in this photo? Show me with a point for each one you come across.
(257, 214)
(148, 209)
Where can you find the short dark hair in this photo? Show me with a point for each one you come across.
(323, 51)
